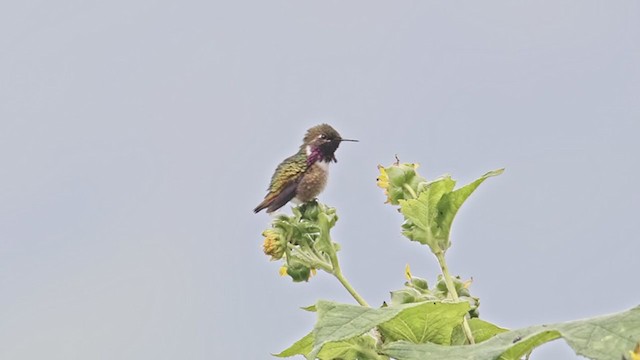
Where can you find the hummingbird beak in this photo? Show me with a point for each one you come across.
(348, 140)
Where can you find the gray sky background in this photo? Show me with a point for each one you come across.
(136, 137)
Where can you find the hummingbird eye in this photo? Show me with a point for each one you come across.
(322, 136)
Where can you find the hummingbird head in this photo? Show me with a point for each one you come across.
(321, 142)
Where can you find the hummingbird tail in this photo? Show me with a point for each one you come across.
(263, 205)
(275, 200)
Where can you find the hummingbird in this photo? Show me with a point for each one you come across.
(301, 177)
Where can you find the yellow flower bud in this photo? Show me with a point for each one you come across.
(383, 182)
(282, 271)
(407, 273)
(273, 245)
(635, 354)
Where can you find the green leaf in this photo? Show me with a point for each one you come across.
(420, 214)
(600, 338)
(419, 322)
(417, 212)
(361, 348)
(436, 189)
(480, 329)
(525, 346)
(300, 347)
(428, 321)
(338, 322)
(311, 308)
(450, 203)
(483, 330)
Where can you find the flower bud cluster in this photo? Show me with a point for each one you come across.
(400, 182)
(417, 290)
(274, 244)
(428, 207)
(302, 240)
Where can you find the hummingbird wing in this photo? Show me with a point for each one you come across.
(278, 200)
(284, 183)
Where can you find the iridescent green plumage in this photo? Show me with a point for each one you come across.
(289, 169)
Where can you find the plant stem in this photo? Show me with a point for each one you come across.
(451, 288)
(410, 190)
(338, 274)
(313, 259)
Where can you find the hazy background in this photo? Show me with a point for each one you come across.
(136, 137)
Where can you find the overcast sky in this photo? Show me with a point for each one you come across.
(136, 137)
